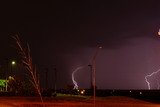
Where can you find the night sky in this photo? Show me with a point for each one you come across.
(65, 34)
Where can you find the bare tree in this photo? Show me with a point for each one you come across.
(24, 51)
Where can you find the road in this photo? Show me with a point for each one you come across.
(100, 102)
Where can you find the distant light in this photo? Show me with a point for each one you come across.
(13, 62)
(140, 93)
(159, 32)
(83, 91)
(130, 91)
(11, 78)
(100, 47)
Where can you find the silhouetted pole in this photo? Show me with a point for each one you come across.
(46, 72)
(55, 85)
(94, 72)
(91, 76)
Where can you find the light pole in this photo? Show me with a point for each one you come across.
(10, 66)
(93, 65)
(91, 76)
(55, 85)
(13, 63)
(46, 72)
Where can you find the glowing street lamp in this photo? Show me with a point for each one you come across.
(12, 65)
(13, 62)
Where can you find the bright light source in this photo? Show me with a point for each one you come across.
(73, 78)
(13, 62)
(83, 91)
(100, 47)
(140, 92)
(159, 32)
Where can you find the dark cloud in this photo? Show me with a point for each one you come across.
(66, 34)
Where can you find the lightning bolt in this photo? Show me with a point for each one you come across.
(146, 78)
(73, 79)
(158, 84)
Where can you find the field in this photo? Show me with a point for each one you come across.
(74, 101)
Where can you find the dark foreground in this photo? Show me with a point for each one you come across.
(110, 101)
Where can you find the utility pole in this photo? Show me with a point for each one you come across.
(93, 64)
(55, 84)
(46, 72)
(91, 76)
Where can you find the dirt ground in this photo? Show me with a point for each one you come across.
(113, 101)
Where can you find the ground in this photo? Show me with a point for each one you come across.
(112, 101)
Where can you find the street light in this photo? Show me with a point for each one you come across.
(13, 63)
(55, 85)
(91, 76)
(93, 67)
